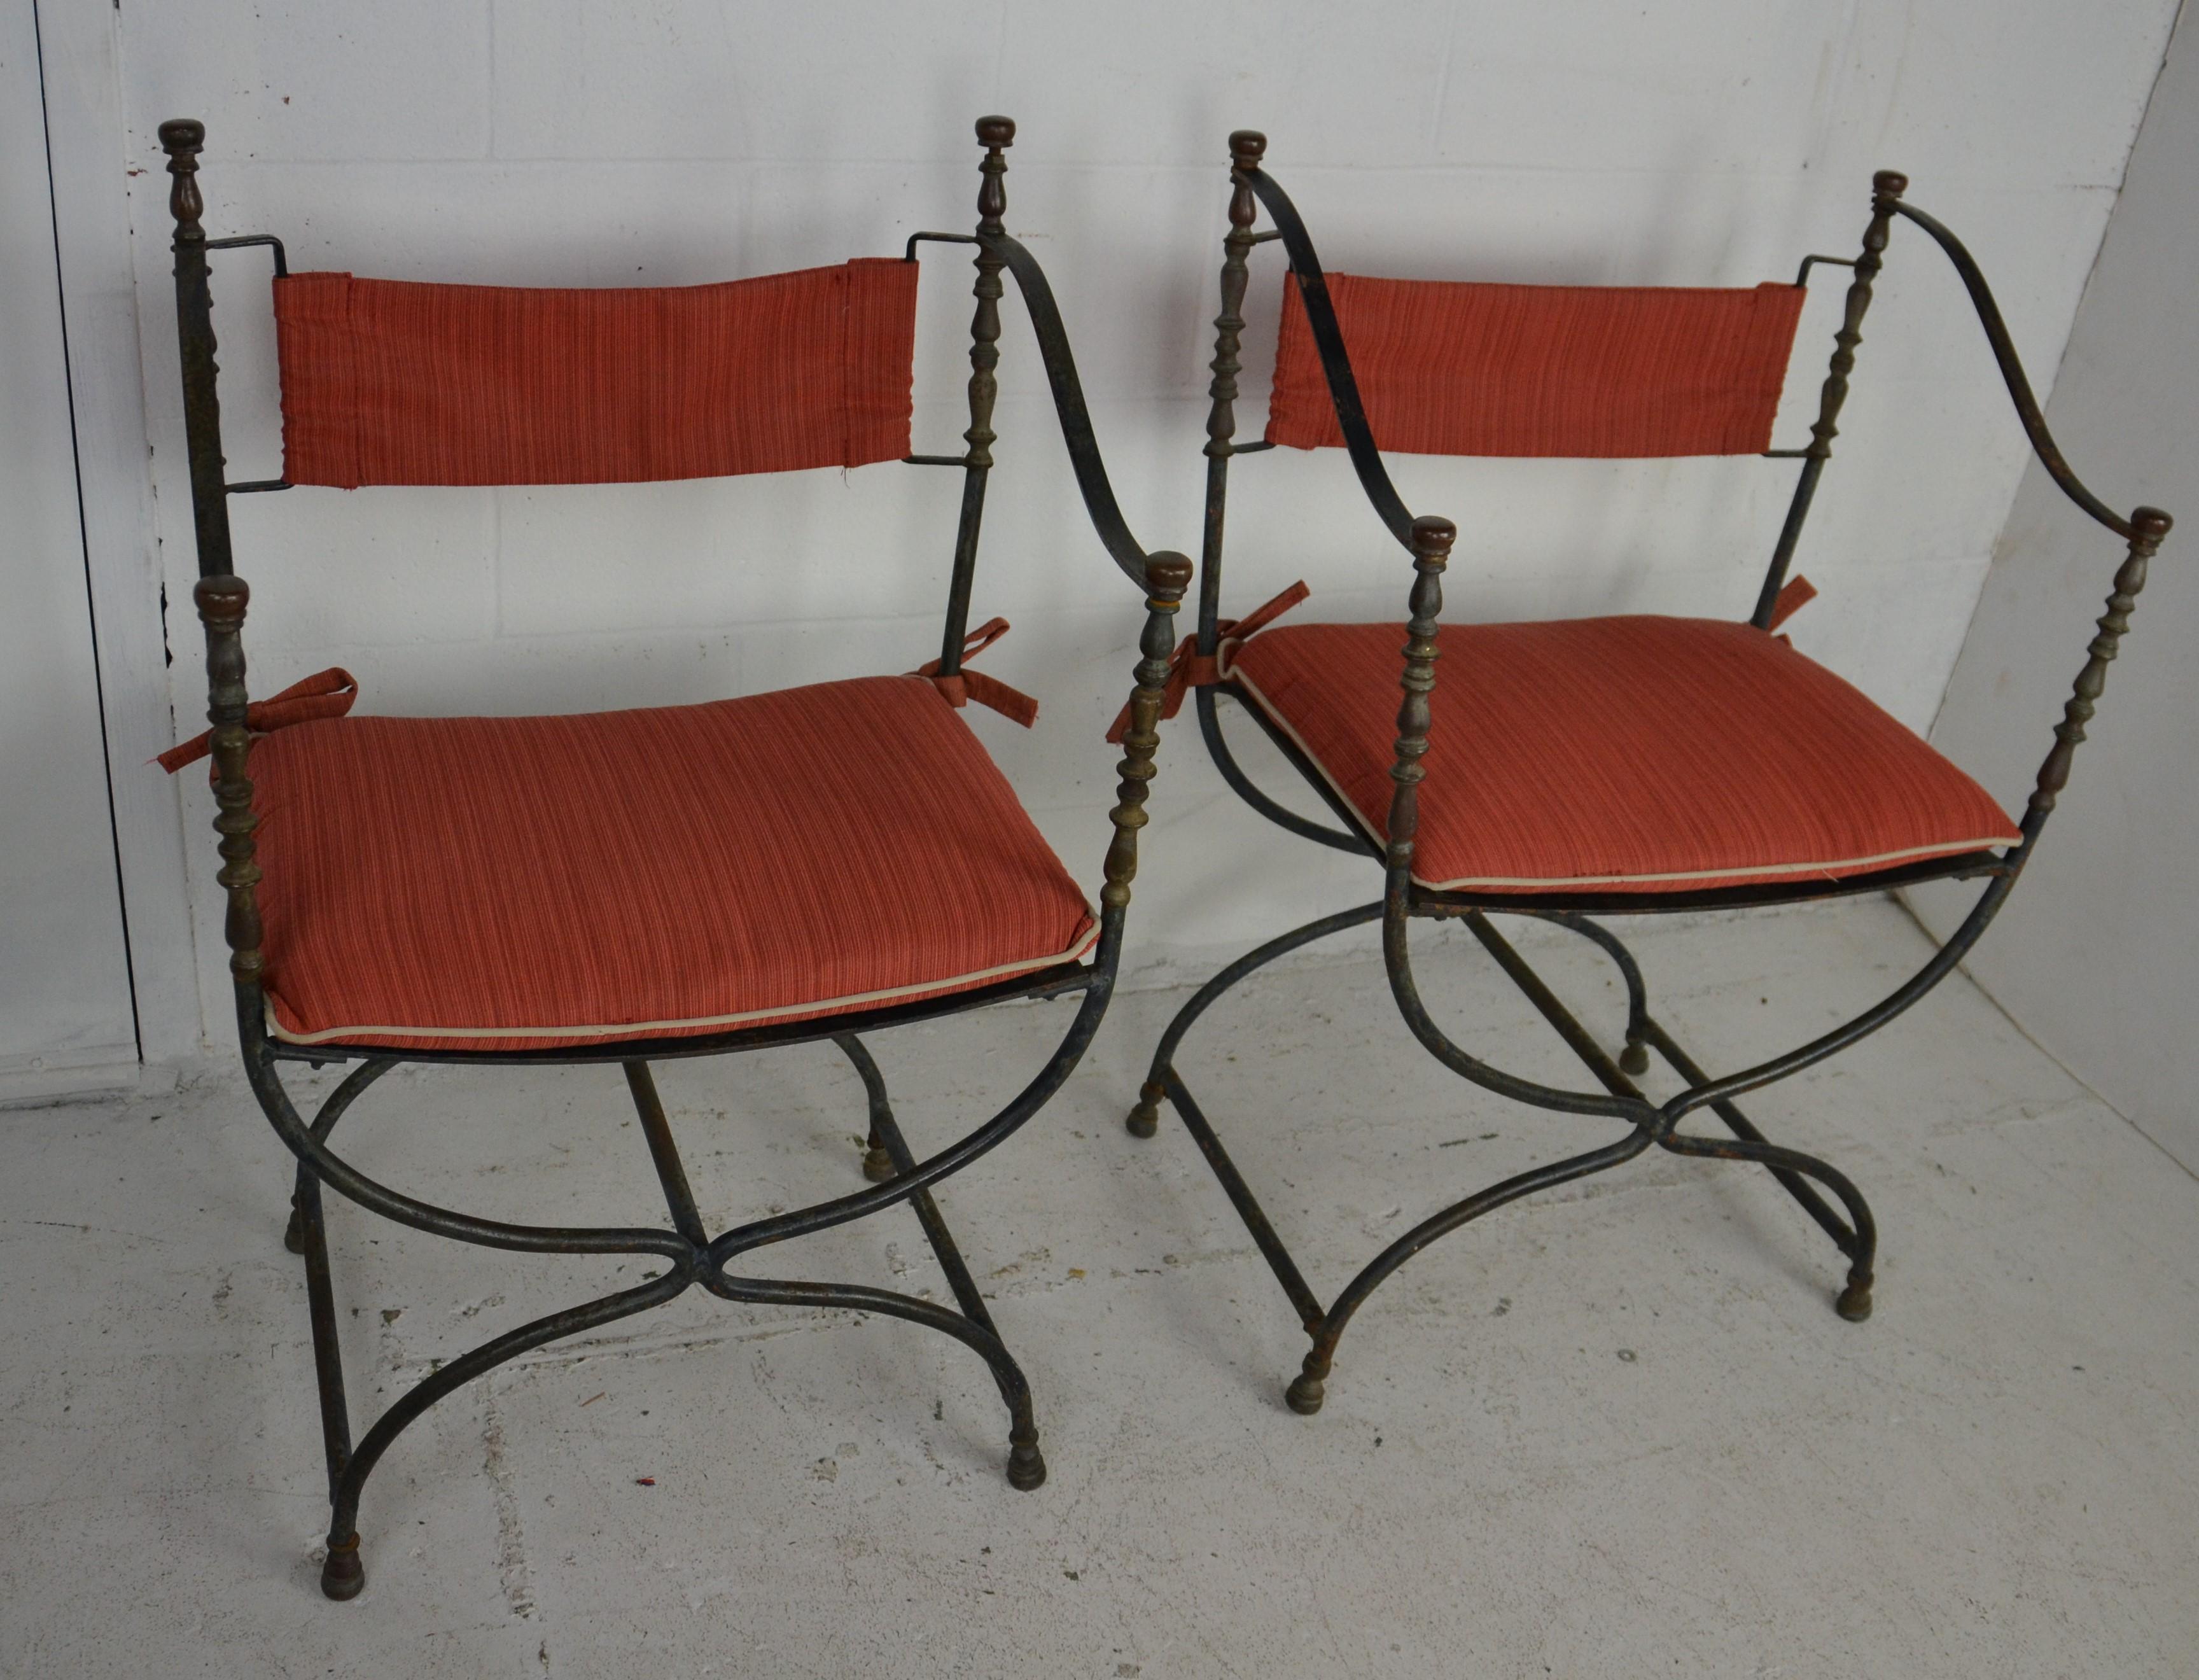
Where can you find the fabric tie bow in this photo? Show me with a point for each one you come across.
(1796, 593)
(1188, 669)
(328, 694)
(965, 686)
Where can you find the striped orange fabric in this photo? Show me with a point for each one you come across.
(1447, 368)
(388, 382)
(490, 884)
(1636, 755)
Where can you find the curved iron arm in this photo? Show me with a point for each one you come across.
(1069, 403)
(2142, 529)
(2011, 370)
(1335, 362)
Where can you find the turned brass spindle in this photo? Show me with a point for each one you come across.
(221, 603)
(995, 134)
(1246, 148)
(1167, 576)
(1432, 543)
(1886, 187)
(2148, 525)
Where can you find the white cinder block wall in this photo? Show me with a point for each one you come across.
(586, 142)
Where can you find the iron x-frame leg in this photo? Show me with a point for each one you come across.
(1855, 1236)
(694, 1257)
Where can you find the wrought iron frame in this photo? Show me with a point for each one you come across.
(1648, 1123)
(691, 1254)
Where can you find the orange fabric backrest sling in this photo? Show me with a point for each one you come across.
(1450, 368)
(390, 381)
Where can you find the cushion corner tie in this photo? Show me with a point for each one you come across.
(959, 688)
(326, 694)
(1189, 669)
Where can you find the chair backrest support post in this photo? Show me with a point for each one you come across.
(221, 602)
(1887, 186)
(1246, 148)
(221, 596)
(181, 141)
(995, 134)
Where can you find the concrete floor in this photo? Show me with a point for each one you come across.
(1617, 1429)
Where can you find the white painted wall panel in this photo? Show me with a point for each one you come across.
(65, 1016)
(309, 80)
(89, 159)
(849, 80)
(1709, 142)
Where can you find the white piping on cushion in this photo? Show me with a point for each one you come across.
(643, 1028)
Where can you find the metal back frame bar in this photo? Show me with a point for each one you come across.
(1648, 1121)
(691, 1255)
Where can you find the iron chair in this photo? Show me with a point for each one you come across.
(1626, 765)
(357, 853)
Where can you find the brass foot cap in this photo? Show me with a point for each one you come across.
(1854, 1304)
(1026, 1468)
(878, 1165)
(1144, 1121)
(343, 1575)
(1634, 1060)
(1304, 1395)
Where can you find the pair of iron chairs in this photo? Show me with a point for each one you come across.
(835, 860)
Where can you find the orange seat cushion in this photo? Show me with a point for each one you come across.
(488, 884)
(1620, 754)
